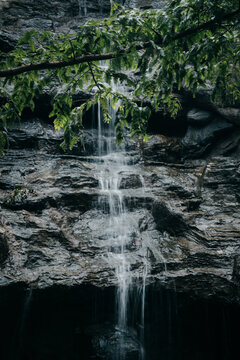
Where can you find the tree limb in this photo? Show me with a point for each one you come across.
(209, 25)
(55, 64)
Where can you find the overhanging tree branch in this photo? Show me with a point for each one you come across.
(55, 64)
(209, 25)
(64, 63)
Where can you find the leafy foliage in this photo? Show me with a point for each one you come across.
(188, 44)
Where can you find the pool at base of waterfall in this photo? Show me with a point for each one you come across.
(63, 323)
(111, 342)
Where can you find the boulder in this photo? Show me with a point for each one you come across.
(199, 140)
(231, 114)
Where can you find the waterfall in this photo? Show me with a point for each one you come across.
(82, 7)
(22, 328)
(100, 2)
(120, 225)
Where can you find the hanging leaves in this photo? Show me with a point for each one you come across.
(188, 44)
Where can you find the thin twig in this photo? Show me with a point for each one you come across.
(93, 76)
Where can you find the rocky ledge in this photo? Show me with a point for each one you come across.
(185, 201)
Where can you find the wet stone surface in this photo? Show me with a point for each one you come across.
(54, 228)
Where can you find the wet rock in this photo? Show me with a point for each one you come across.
(132, 181)
(161, 148)
(145, 4)
(167, 220)
(200, 141)
(59, 231)
(198, 117)
(17, 17)
(36, 257)
(80, 200)
(193, 204)
(3, 247)
(236, 270)
(206, 133)
(8, 40)
(231, 114)
(179, 191)
(110, 341)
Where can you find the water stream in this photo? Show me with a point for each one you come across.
(22, 328)
(82, 8)
(120, 230)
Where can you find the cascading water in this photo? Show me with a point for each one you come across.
(100, 2)
(82, 7)
(119, 231)
(25, 310)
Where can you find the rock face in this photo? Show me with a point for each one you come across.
(183, 192)
(51, 226)
(58, 16)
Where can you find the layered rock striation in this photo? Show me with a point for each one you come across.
(188, 215)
